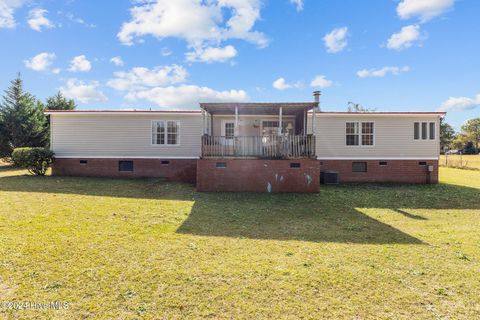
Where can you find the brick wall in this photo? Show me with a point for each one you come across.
(395, 171)
(175, 170)
(258, 175)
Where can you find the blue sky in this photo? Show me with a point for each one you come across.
(405, 55)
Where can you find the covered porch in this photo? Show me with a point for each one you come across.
(258, 130)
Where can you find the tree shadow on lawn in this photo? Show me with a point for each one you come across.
(147, 188)
(333, 215)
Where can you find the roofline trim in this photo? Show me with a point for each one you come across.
(129, 112)
(394, 113)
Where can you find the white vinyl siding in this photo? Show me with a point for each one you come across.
(393, 137)
(126, 135)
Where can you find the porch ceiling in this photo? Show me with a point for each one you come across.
(258, 108)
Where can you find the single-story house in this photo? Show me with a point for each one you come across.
(259, 147)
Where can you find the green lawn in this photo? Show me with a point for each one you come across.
(469, 161)
(130, 249)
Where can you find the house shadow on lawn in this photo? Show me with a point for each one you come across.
(333, 215)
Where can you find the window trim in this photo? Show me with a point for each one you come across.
(420, 137)
(165, 121)
(360, 134)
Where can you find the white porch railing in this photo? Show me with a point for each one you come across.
(268, 147)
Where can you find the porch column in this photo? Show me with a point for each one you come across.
(236, 120)
(204, 117)
(304, 122)
(280, 121)
(211, 124)
(313, 121)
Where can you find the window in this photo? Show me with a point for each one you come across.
(295, 165)
(359, 166)
(221, 165)
(125, 166)
(158, 132)
(229, 130)
(172, 132)
(432, 131)
(356, 138)
(383, 163)
(165, 162)
(352, 134)
(424, 131)
(367, 133)
(165, 132)
(422, 163)
(83, 162)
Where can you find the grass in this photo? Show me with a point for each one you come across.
(464, 161)
(130, 249)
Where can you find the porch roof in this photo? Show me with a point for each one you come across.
(288, 108)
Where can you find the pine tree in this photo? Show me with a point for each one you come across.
(22, 122)
(59, 102)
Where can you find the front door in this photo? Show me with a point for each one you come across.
(228, 131)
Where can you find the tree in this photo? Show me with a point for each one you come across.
(60, 102)
(356, 107)
(471, 129)
(22, 122)
(469, 148)
(447, 135)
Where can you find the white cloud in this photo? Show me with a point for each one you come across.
(165, 52)
(281, 84)
(424, 9)
(405, 38)
(139, 78)
(117, 61)
(200, 23)
(7, 9)
(212, 54)
(460, 104)
(41, 62)
(78, 20)
(186, 96)
(298, 4)
(83, 92)
(336, 40)
(380, 73)
(321, 81)
(37, 20)
(80, 64)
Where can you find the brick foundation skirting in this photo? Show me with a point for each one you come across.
(183, 170)
(258, 175)
(253, 175)
(394, 171)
